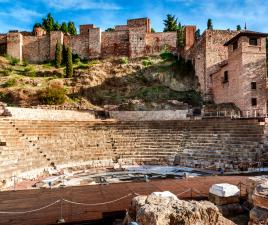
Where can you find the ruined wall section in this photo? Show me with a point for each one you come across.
(115, 43)
(157, 42)
(14, 45)
(79, 45)
(36, 49)
(94, 43)
(3, 38)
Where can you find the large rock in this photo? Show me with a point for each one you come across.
(259, 214)
(157, 209)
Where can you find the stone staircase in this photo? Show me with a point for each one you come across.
(30, 147)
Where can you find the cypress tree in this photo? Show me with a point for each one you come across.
(71, 28)
(238, 27)
(58, 55)
(69, 63)
(209, 24)
(64, 28)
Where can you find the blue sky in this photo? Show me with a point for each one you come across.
(22, 14)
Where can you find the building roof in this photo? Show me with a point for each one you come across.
(247, 33)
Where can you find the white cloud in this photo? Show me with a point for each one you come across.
(85, 4)
(20, 14)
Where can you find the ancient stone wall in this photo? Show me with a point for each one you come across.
(14, 45)
(79, 45)
(36, 49)
(149, 115)
(3, 38)
(94, 43)
(137, 40)
(84, 29)
(115, 43)
(55, 37)
(47, 114)
(157, 42)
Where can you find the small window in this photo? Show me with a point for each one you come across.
(226, 77)
(253, 41)
(253, 85)
(254, 102)
(235, 45)
(140, 39)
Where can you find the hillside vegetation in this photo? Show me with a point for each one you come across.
(147, 83)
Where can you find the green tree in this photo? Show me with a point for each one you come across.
(152, 30)
(64, 28)
(238, 27)
(58, 55)
(64, 55)
(57, 26)
(197, 34)
(72, 28)
(180, 30)
(69, 63)
(48, 23)
(209, 24)
(109, 29)
(170, 23)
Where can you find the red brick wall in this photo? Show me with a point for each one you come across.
(85, 28)
(156, 42)
(189, 32)
(115, 43)
(14, 45)
(36, 49)
(79, 45)
(142, 22)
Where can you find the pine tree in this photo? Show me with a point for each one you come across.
(209, 24)
(64, 28)
(57, 27)
(48, 23)
(152, 30)
(58, 55)
(69, 63)
(238, 27)
(71, 28)
(170, 23)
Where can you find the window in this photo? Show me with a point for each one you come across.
(254, 102)
(140, 39)
(253, 41)
(226, 77)
(235, 45)
(253, 85)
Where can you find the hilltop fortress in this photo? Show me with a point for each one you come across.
(230, 65)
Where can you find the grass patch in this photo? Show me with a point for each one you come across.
(29, 71)
(147, 62)
(10, 83)
(124, 60)
(52, 96)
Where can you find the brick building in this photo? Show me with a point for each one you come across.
(132, 40)
(231, 67)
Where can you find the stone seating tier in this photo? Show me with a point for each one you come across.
(27, 145)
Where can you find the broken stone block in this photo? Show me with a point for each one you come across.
(224, 194)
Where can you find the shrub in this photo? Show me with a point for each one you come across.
(123, 60)
(6, 71)
(9, 83)
(69, 63)
(167, 56)
(147, 62)
(14, 61)
(5, 97)
(58, 55)
(52, 96)
(30, 71)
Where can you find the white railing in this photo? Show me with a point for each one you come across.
(235, 114)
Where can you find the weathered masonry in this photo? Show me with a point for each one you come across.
(132, 40)
(231, 67)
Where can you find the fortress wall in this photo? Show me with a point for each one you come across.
(79, 45)
(156, 42)
(94, 43)
(149, 115)
(115, 43)
(35, 49)
(137, 40)
(47, 114)
(3, 38)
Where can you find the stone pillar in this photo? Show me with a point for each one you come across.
(14, 45)
(55, 36)
(189, 36)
